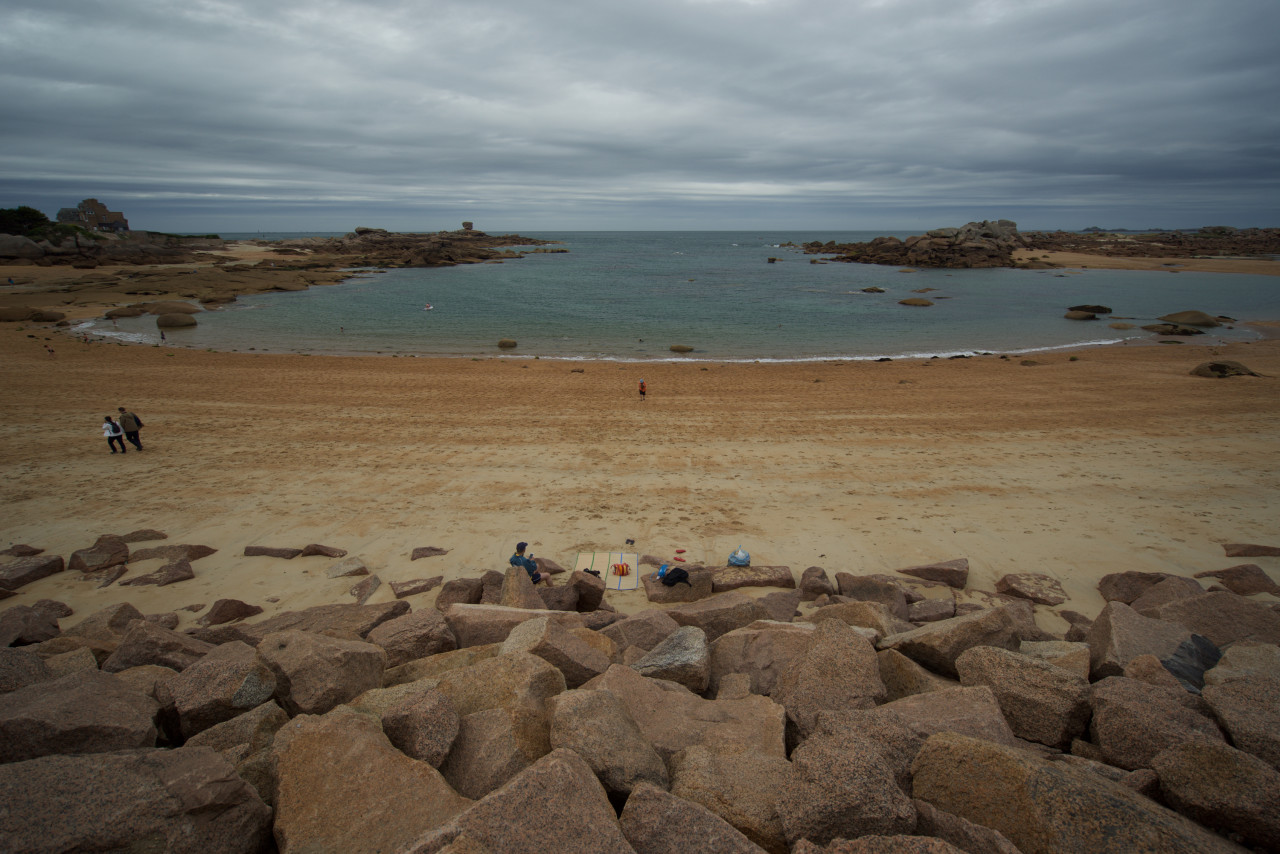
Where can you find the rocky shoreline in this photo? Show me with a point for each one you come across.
(750, 710)
(120, 269)
(994, 244)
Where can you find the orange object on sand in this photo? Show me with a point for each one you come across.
(621, 569)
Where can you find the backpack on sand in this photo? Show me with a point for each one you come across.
(676, 575)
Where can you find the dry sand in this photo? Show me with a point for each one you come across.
(1101, 461)
(1085, 260)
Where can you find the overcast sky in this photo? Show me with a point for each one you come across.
(538, 115)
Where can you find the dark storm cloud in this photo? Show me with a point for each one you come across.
(665, 114)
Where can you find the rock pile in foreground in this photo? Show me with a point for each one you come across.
(509, 718)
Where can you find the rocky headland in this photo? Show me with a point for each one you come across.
(1000, 244)
(975, 244)
(753, 709)
(137, 273)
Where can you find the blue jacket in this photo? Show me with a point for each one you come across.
(529, 566)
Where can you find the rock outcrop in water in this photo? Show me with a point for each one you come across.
(976, 244)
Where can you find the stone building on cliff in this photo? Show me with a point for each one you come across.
(93, 215)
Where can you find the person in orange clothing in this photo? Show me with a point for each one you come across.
(643, 389)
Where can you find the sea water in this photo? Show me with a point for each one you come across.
(632, 295)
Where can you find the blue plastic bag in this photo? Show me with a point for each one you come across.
(740, 558)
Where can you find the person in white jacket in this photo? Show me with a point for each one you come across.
(113, 434)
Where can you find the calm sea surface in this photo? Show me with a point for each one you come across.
(631, 295)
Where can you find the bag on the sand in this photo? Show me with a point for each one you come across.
(594, 572)
(740, 558)
(677, 575)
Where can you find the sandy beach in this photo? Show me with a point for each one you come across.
(1086, 463)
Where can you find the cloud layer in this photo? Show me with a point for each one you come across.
(227, 115)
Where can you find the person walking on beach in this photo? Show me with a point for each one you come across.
(130, 424)
(527, 564)
(643, 389)
(113, 434)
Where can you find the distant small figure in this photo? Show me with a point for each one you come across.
(342, 330)
(643, 389)
(130, 424)
(49, 350)
(113, 434)
(162, 338)
(526, 563)
(11, 280)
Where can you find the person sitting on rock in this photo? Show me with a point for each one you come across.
(519, 559)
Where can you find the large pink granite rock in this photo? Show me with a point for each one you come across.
(147, 643)
(597, 726)
(422, 726)
(1041, 702)
(722, 613)
(228, 611)
(1224, 789)
(1126, 586)
(459, 591)
(170, 573)
(516, 818)
(741, 787)
(842, 788)
(314, 672)
(814, 582)
(477, 625)
(503, 681)
(25, 570)
(342, 786)
(493, 746)
(762, 651)
(575, 658)
(344, 619)
(1223, 617)
(701, 584)
(645, 629)
(227, 682)
(1037, 587)
(22, 625)
(1133, 721)
(655, 821)
(725, 578)
(682, 657)
(837, 670)
(1248, 709)
(953, 573)
(86, 712)
(415, 635)
(1048, 807)
(1120, 634)
(518, 592)
(109, 550)
(937, 645)
(20, 668)
(1246, 579)
(183, 801)
(590, 590)
(672, 717)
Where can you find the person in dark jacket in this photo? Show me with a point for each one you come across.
(526, 563)
(131, 424)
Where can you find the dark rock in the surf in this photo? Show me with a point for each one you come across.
(1222, 369)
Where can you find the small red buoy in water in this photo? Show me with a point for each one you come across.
(679, 551)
